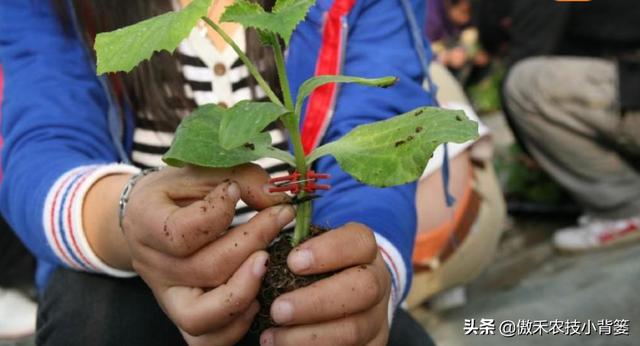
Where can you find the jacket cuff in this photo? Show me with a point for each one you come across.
(63, 222)
(398, 270)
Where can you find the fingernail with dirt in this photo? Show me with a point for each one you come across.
(301, 259)
(278, 196)
(285, 214)
(267, 338)
(282, 311)
(233, 190)
(260, 265)
(267, 187)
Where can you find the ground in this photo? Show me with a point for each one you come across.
(530, 281)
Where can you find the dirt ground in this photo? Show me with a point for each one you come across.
(530, 281)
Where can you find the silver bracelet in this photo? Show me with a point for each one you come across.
(124, 196)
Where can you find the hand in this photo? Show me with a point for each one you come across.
(204, 278)
(348, 308)
(455, 57)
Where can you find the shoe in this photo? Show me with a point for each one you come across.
(17, 315)
(592, 234)
(450, 299)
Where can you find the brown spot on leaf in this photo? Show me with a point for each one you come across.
(458, 118)
(418, 112)
(250, 146)
(399, 143)
(418, 129)
(409, 139)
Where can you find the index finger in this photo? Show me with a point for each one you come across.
(180, 231)
(192, 183)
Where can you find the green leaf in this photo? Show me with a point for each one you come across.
(245, 120)
(277, 154)
(197, 142)
(283, 19)
(123, 49)
(396, 151)
(315, 82)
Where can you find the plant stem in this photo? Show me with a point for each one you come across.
(303, 215)
(291, 122)
(250, 66)
(282, 74)
(303, 221)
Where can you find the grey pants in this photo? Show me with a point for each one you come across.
(566, 112)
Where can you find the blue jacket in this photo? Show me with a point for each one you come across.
(58, 116)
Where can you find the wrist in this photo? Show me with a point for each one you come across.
(101, 215)
(76, 222)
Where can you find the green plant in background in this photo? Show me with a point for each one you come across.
(524, 181)
(485, 94)
(384, 153)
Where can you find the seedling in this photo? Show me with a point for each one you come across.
(383, 154)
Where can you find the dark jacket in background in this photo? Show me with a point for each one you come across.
(525, 28)
(600, 28)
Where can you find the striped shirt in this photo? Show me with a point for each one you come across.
(211, 77)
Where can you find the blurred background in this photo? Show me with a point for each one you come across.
(545, 224)
(557, 85)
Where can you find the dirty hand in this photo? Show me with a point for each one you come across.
(204, 279)
(347, 308)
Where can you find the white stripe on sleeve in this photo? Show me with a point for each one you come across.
(397, 269)
(63, 222)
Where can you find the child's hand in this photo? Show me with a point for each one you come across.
(348, 308)
(205, 279)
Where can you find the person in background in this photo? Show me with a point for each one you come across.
(572, 97)
(454, 41)
(17, 270)
(454, 244)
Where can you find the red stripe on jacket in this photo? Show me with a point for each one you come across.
(323, 99)
(1, 90)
